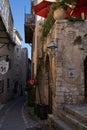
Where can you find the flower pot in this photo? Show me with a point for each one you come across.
(42, 111)
(59, 14)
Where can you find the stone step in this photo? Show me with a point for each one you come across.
(57, 124)
(77, 114)
(72, 121)
(39, 127)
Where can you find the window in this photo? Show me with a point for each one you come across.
(18, 52)
(1, 86)
(8, 86)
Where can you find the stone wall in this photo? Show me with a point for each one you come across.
(66, 67)
(70, 62)
(7, 78)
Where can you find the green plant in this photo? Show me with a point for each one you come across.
(62, 3)
(31, 96)
(57, 5)
(74, 19)
(46, 26)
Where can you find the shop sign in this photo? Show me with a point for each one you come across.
(31, 82)
(71, 72)
(4, 66)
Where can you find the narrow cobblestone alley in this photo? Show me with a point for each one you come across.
(14, 116)
(11, 115)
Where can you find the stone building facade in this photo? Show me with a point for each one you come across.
(69, 77)
(24, 67)
(6, 79)
(13, 61)
(62, 77)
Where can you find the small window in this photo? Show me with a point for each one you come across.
(8, 86)
(1, 86)
(18, 53)
(9, 63)
(17, 50)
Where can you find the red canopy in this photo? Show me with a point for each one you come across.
(81, 7)
(78, 11)
(80, 3)
(42, 9)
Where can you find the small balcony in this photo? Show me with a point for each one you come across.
(29, 27)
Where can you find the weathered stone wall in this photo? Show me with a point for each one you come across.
(66, 67)
(7, 77)
(17, 67)
(70, 63)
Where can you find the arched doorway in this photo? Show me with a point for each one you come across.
(48, 74)
(16, 88)
(85, 76)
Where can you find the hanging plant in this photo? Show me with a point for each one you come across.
(62, 4)
(74, 19)
(47, 25)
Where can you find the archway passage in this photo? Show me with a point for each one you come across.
(85, 76)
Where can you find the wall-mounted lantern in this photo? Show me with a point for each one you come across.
(52, 46)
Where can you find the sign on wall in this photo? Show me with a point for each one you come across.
(71, 72)
(4, 66)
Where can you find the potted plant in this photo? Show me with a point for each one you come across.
(59, 8)
(56, 11)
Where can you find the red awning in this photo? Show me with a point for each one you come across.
(42, 9)
(81, 3)
(81, 7)
(68, 12)
(78, 11)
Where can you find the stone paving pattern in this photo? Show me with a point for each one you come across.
(33, 122)
(15, 116)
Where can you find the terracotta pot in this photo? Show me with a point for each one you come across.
(59, 14)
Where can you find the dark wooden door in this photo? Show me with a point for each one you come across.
(85, 75)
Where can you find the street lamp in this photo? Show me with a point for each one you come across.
(52, 46)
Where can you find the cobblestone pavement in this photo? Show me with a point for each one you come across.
(15, 116)
(11, 115)
(33, 122)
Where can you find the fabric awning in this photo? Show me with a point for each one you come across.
(42, 8)
(81, 7)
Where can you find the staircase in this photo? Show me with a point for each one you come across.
(70, 118)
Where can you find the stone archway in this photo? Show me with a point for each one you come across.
(85, 76)
(48, 78)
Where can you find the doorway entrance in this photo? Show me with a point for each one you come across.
(48, 84)
(85, 76)
(15, 88)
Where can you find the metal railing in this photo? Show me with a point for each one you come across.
(29, 19)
